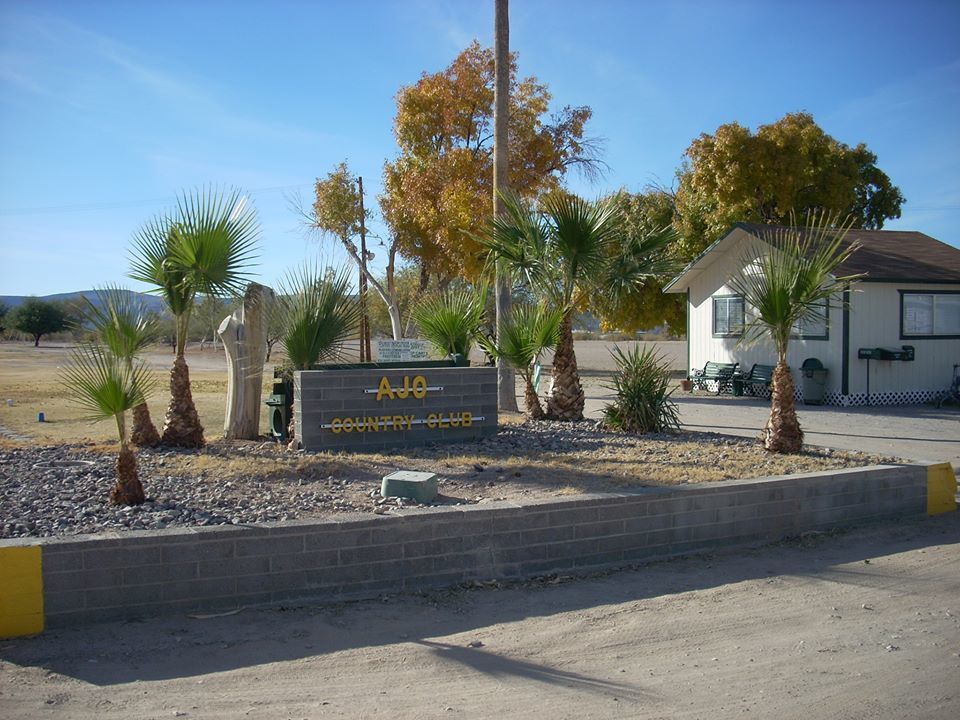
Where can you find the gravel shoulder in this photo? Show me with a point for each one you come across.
(61, 490)
(842, 626)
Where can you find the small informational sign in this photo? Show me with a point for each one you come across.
(402, 350)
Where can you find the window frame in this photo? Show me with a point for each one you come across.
(713, 319)
(826, 326)
(931, 336)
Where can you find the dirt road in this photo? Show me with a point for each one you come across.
(864, 624)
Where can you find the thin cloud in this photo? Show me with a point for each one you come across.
(176, 93)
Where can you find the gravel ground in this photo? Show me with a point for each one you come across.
(62, 490)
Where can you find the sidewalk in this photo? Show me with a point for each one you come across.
(913, 432)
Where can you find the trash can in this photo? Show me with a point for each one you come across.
(813, 381)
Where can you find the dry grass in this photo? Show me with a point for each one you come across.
(29, 376)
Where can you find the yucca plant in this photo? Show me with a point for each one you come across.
(641, 384)
(525, 333)
(126, 327)
(790, 281)
(202, 247)
(451, 320)
(108, 386)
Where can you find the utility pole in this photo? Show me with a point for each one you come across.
(506, 383)
(365, 355)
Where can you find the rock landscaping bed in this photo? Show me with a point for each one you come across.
(63, 490)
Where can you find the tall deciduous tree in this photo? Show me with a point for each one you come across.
(36, 318)
(645, 306)
(437, 191)
(338, 211)
(790, 166)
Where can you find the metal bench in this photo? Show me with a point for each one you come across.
(720, 373)
(760, 376)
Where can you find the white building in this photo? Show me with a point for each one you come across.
(909, 297)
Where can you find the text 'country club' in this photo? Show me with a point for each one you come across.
(417, 388)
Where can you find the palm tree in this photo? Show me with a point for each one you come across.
(108, 386)
(506, 385)
(525, 333)
(202, 247)
(785, 285)
(125, 326)
(452, 319)
(317, 315)
(568, 252)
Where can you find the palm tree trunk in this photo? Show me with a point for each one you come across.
(128, 490)
(506, 382)
(182, 426)
(534, 408)
(144, 431)
(782, 433)
(566, 397)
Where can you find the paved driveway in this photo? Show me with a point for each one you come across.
(915, 432)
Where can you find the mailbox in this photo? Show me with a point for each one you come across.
(903, 353)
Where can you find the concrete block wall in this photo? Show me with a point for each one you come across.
(195, 569)
(323, 396)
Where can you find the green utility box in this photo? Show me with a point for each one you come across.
(419, 486)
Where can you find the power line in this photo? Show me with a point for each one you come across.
(84, 207)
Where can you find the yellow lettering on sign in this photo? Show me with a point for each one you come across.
(384, 389)
(419, 386)
(336, 425)
(467, 419)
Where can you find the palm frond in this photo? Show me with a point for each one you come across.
(216, 235)
(526, 332)
(104, 384)
(122, 322)
(581, 234)
(317, 314)
(790, 279)
(151, 262)
(451, 321)
(518, 241)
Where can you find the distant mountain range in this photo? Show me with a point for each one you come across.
(152, 302)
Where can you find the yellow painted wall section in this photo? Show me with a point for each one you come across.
(21, 591)
(941, 489)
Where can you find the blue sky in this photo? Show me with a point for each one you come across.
(109, 109)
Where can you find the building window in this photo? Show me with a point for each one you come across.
(930, 315)
(728, 316)
(815, 327)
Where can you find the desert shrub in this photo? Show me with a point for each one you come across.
(450, 321)
(642, 386)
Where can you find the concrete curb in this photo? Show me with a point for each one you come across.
(76, 579)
